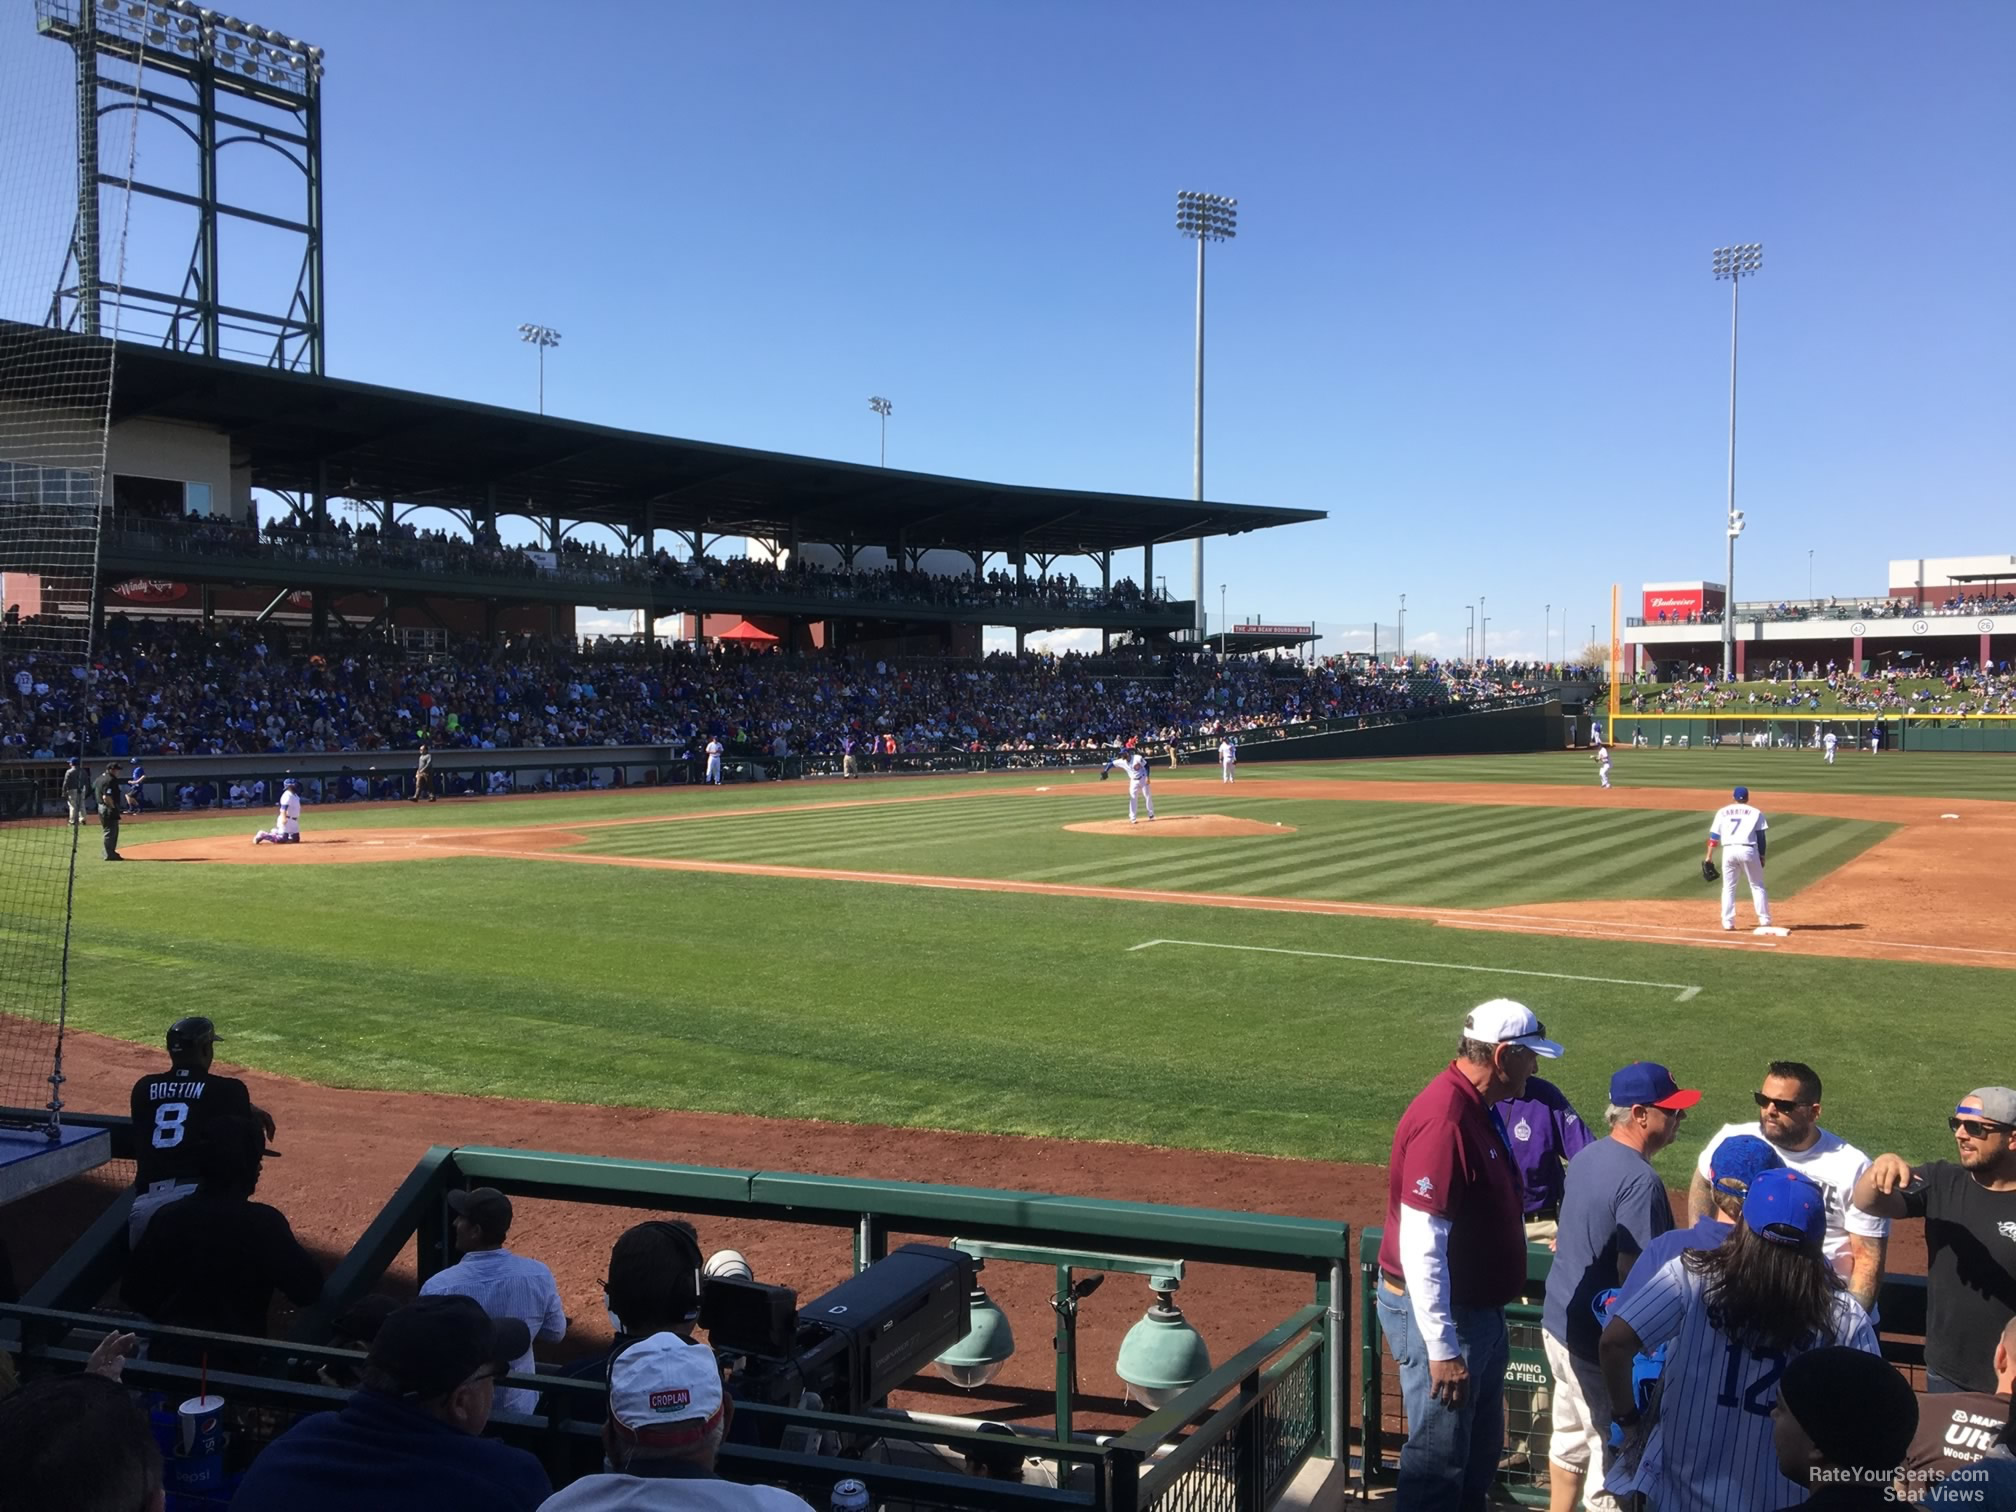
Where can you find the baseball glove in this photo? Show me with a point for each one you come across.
(1708, 872)
(1105, 772)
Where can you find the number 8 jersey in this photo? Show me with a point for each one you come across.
(170, 1110)
(1709, 1449)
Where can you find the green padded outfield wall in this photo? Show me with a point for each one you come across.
(1536, 727)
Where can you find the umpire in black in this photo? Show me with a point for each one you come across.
(105, 788)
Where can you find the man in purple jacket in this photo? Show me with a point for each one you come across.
(1545, 1133)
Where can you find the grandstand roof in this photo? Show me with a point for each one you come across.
(379, 443)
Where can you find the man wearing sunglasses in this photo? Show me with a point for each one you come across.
(1969, 1208)
(1788, 1118)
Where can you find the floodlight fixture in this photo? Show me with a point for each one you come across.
(1733, 263)
(1204, 218)
(885, 409)
(541, 337)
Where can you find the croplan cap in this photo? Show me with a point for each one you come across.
(1504, 1022)
(665, 1390)
(1996, 1104)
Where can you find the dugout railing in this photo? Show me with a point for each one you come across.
(1233, 1442)
(1529, 1382)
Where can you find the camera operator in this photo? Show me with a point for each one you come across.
(653, 1287)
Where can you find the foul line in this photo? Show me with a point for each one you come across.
(1686, 993)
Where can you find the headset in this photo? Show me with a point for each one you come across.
(687, 1262)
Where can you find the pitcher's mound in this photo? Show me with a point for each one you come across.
(1191, 826)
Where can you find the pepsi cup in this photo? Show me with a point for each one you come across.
(199, 1427)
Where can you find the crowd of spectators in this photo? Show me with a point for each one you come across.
(1853, 609)
(404, 546)
(158, 688)
(1961, 688)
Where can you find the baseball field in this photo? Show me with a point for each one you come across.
(1272, 967)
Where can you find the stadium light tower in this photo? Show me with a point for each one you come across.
(1401, 653)
(1735, 264)
(541, 337)
(883, 408)
(1203, 218)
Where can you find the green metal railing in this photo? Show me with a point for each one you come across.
(1239, 1436)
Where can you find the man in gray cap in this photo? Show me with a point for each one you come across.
(1969, 1208)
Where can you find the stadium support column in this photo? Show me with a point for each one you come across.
(1987, 657)
(1105, 592)
(1855, 654)
(1741, 660)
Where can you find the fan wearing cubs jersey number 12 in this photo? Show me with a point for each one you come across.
(170, 1110)
(1733, 1317)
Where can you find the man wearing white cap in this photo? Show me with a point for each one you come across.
(1969, 1208)
(667, 1418)
(1453, 1255)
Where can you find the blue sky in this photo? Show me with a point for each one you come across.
(1469, 312)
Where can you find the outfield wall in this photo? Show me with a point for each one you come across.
(1917, 733)
(1494, 732)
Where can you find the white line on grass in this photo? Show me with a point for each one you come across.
(1686, 992)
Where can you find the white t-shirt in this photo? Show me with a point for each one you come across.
(611, 1492)
(1710, 1446)
(1737, 824)
(1837, 1166)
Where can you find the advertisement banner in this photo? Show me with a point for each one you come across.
(545, 561)
(1665, 606)
(1238, 630)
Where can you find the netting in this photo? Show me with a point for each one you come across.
(55, 398)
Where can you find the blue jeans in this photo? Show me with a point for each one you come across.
(1451, 1458)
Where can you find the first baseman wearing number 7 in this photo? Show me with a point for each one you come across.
(170, 1111)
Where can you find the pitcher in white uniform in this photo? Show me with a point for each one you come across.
(287, 823)
(1228, 758)
(1135, 765)
(1739, 830)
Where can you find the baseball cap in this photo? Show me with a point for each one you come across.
(1996, 1104)
(665, 1391)
(1858, 1411)
(1787, 1207)
(486, 1207)
(1741, 795)
(1739, 1160)
(1504, 1022)
(289, 782)
(434, 1344)
(1651, 1085)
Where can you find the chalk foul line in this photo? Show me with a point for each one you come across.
(1686, 992)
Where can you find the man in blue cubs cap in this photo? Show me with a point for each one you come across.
(1738, 830)
(1613, 1206)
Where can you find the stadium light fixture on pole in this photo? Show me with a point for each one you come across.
(1400, 653)
(1809, 572)
(1221, 622)
(1547, 632)
(1482, 641)
(541, 337)
(1734, 264)
(1203, 218)
(1470, 633)
(883, 408)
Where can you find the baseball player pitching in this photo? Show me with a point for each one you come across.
(287, 822)
(1602, 760)
(1135, 765)
(1739, 830)
(714, 750)
(1228, 758)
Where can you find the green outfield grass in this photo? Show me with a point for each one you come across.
(1419, 854)
(1947, 774)
(932, 1008)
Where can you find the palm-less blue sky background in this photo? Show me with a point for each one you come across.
(1469, 311)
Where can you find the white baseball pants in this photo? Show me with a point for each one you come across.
(1743, 859)
(1138, 793)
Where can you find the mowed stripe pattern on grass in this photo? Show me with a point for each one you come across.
(1432, 855)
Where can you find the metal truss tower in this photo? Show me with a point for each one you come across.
(221, 83)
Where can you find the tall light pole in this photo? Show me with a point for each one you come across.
(541, 337)
(1809, 573)
(883, 408)
(1482, 640)
(1203, 218)
(1547, 634)
(1221, 622)
(1401, 653)
(1735, 264)
(1470, 633)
